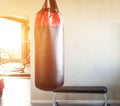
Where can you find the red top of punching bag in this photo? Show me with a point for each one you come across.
(46, 18)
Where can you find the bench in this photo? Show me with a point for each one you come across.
(81, 89)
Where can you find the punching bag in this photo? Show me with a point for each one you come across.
(49, 62)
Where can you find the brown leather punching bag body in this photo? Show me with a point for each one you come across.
(49, 65)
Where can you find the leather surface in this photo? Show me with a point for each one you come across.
(49, 53)
(82, 89)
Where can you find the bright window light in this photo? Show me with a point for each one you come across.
(10, 34)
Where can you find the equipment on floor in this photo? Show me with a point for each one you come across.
(1, 86)
(81, 89)
(49, 65)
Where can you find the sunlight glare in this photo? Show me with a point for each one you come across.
(10, 34)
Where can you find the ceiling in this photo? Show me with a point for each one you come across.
(19, 8)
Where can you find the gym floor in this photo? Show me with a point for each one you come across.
(17, 93)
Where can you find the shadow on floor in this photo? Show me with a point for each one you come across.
(73, 104)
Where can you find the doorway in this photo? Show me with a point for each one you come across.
(14, 46)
